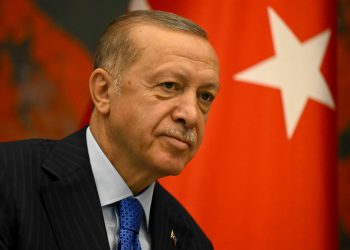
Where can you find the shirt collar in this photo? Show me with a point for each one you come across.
(110, 185)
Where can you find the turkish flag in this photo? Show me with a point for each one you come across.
(265, 176)
(38, 88)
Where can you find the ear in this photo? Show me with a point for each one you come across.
(99, 83)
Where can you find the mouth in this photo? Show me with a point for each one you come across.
(179, 139)
(177, 142)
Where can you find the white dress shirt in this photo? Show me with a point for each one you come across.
(112, 188)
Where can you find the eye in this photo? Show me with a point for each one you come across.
(168, 85)
(206, 96)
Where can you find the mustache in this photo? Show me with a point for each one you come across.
(182, 134)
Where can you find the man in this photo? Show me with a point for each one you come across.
(155, 78)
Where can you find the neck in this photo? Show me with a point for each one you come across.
(136, 177)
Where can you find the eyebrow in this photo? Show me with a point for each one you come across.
(179, 75)
(215, 86)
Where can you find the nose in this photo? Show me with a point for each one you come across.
(186, 111)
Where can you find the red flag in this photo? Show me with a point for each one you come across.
(41, 93)
(265, 177)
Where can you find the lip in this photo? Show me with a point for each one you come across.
(177, 142)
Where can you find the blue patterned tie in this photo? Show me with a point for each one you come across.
(130, 216)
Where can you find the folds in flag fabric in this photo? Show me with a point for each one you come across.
(265, 177)
(42, 69)
(45, 63)
(343, 114)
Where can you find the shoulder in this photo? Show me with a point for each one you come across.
(37, 150)
(22, 159)
(16, 152)
(29, 144)
(20, 163)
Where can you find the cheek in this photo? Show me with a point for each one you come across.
(155, 112)
(144, 118)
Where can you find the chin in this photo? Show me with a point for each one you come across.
(171, 170)
(169, 165)
(176, 172)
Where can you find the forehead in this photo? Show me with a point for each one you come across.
(157, 42)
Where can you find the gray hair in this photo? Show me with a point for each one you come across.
(116, 51)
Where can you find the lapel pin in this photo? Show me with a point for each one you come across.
(173, 237)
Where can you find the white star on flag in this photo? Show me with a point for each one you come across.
(295, 70)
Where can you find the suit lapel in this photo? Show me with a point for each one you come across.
(167, 229)
(71, 199)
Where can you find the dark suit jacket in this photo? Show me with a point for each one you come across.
(49, 200)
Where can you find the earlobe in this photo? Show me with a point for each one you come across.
(99, 83)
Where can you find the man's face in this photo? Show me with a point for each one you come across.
(156, 122)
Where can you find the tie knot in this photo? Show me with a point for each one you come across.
(130, 214)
